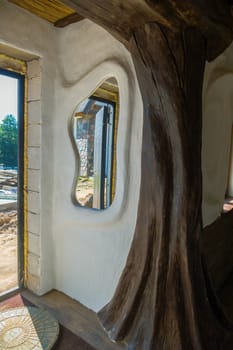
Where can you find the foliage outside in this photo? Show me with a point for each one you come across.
(8, 142)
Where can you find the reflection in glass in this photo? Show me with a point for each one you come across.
(93, 131)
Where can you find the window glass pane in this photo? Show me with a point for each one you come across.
(10, 118)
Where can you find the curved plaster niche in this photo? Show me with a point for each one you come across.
(94, 133)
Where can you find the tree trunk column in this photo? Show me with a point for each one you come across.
(161, 301)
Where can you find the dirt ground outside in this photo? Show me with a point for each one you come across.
(8, 250)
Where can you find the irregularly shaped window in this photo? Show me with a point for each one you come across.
(94, 132)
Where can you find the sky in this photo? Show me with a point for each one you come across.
(8, 96)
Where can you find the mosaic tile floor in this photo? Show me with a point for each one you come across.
(27, 328)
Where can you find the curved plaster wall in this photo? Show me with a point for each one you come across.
(92, 246)
(78, 251)
(217, 134)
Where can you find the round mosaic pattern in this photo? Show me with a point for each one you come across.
(27, 328)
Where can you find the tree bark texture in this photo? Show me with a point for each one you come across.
(164, 300)
(121, 17)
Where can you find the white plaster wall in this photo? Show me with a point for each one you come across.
(92, 246)
(34, 40)
(79, 251)
(217, 134)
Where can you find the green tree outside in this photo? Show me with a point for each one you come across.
(9, 142)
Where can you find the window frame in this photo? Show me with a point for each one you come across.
(16, 69)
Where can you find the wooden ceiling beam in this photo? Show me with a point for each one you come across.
(72, 18)
(212, 18)
(50, 10)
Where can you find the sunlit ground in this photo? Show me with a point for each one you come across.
(8, 230)
(8, 250)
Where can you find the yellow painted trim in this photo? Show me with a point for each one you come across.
(114, 166)
(104, 91)
(13, 64)
(25, 183)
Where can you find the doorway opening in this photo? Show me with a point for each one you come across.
(11, 180)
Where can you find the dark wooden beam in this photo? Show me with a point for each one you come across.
(211, 17)
(72, 18)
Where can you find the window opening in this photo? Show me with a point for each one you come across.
(94, 131)
(11, 179)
